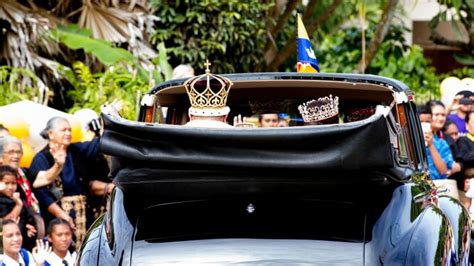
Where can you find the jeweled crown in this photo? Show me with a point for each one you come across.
(320, 109)
(208, 93)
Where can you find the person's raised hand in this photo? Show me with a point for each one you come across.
(113, 108)
(428, 138)
(58, 151)
(30, 230)
(242, 122)
(17, 199)
(117, 104)
(41, 251)
(2, 186)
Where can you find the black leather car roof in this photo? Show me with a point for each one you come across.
(298, 148)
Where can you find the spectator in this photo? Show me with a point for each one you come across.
(282, 122)
(440, 159)
(463, 99)
(438, 112)
(60, 237)
(14, 254)
(58, 174)
(12, 207)
(11, 153)
(268, 120)
(451, 129)
(466, 145)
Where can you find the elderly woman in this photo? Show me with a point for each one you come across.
(59, 174)
(11, 153)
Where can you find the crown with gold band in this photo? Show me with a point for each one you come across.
(208, 94)
(320, 109)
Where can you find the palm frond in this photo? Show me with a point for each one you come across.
(25, 34)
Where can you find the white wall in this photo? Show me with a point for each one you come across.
(419, 10)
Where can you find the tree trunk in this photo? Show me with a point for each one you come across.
(270, 47)
(290, 48)
(379, 35)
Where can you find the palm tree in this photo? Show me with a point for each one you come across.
(26, 40)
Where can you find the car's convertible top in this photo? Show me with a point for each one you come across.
(331, 147)
(156, 163)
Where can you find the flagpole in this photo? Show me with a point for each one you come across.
(362, 24)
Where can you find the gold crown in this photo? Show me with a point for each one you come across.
(208, 93)
(321, 109)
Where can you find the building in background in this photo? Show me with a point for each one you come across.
(420, 13)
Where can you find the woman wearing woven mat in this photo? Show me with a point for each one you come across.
(59, 174)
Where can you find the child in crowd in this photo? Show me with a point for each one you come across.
(60, 237)
(14, 254)
(12, 207)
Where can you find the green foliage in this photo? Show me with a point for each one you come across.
(105, 51)
(165, 66)
(464, 59)
(125, 78)
(110, 55)
(231, 34)
(464, 72)
(93, 90)
(341, 53)
(412, 69)
(17, 84)
(462, 22)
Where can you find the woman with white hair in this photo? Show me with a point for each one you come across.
(59, 175)
(11, 153)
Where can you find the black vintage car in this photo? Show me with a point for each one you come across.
(354, 193)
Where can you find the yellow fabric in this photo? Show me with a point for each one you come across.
(301, 29)
(470, 136)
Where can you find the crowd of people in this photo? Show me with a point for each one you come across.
(449, 138)
(46, 209)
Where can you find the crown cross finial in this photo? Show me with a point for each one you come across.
(207, 64)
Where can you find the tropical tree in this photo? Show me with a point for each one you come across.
(340, 53)
(256, 35)
(92, 90)
(460, 14)
(21, 84)
(27, 42)
(231, 34)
